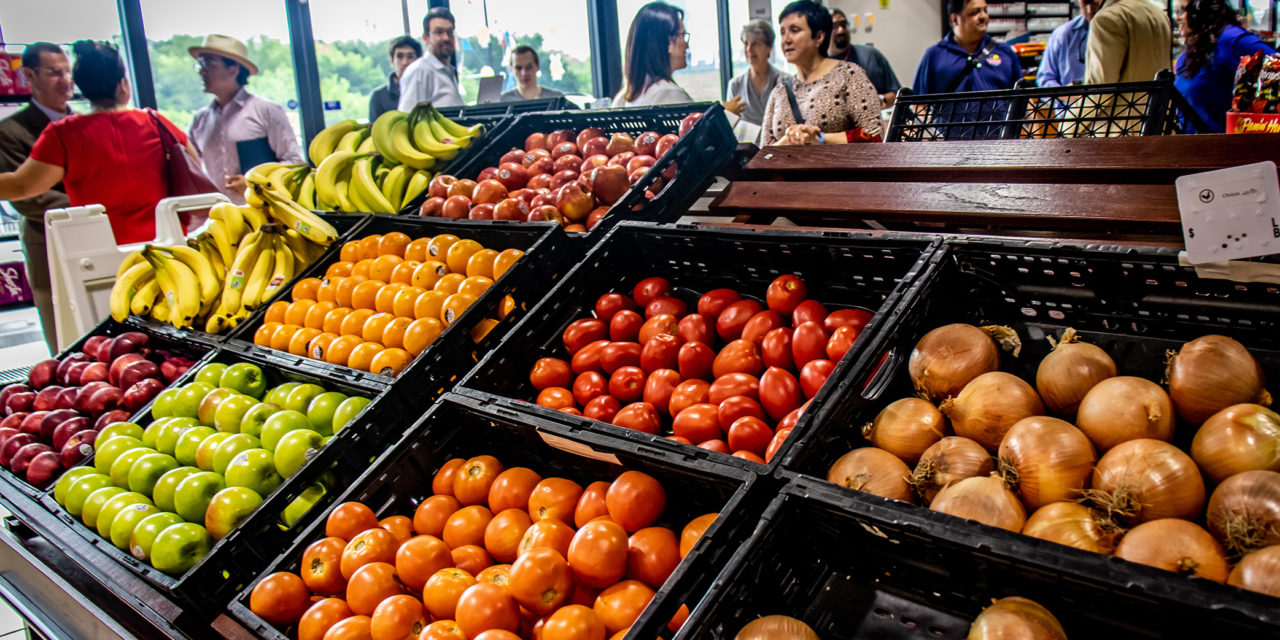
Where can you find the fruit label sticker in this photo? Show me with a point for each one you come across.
(172, 298)
(275, 282)
(301, 227)
(237, 279)
(1230, 214)
(577, 448)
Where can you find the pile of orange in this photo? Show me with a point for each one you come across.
(386, 300)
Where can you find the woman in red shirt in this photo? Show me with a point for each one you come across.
(112, 156)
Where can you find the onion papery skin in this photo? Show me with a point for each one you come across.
(1016, 618)
(950, 460)
(1069, 371)
(947, 358)
(1212, 373)
(776, 628)
(1175, 545)
(989, 405)
(873, 471)
(1242, 437)
(1258, 571)
(1052, 460)
(984, 499)
(906, 428)
(1244, 511)
(1144, 480)
(1125, 408)
(1074, 525)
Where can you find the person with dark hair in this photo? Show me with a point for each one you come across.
(433, 77)
(754, 86)
(238, 130)
(830, 101)
(1129, 41)
(1215, 42)
(49, 73)
(525, 66)
(864, 55)
(657, 46)
(113, 156)
(403, 51)
(967, 59)
(1063, 61)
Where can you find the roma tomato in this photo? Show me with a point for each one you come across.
(589, 385)
(695, 360)
(734, 407)
(281, 598)
(554, 499)
(739, 356)
(649, 288)
(659, 387)
(660, 352)
(582, 332)
(759, 325)
(809, 342)
(485, 606)
(591, 504)
(840, 342)
(620, 354)
(748, 455)
(750, 433)
(692, 532)
(552, 534)
(776, 443)
(695, 328)
(717, 445)
(664, 323)
(370, 585)
(322, 566)
(785, 293)
(856, 318)
(598, 553)
(430, 516)
(734, 384)
(471, 485)
(419, 559)
(698, 423)
(322, 615)
(779, 394)
(808, 311)
(574, 622)
(621, 604)
(791, 419)
(731, 321)
(504, 532)
(511, 489)
(555, 398)
(640, 416)
(814, 375)
(443, 590)
(775, 349)
(688, 393)
(666, 305)
(713, 302)
(625, 326)
(602, 408)
(652, 555)
(349, 519)
(610, 303)
(541, 581)
(550, 372)
(588, 358)
(442, 483)
(627, 384)
(635, 500)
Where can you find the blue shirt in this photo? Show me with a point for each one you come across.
(1209, 91)
(944, 62)
(1063, 61)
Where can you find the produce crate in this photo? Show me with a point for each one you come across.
(851, 568)
(462, 427)
(236, 559)
(1134, 302)
(841, 269)
(548, 254)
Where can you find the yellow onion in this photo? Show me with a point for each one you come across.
(989, 405)
(776, 628)
(1244, 511)
(1212, 373)
(1125, 408)
(1175, 545)
(1258, 571)
(951, 459)
(906, 428)
(1143, 480)
(1016, 618)
(1074, 525)
(1242, 437)
(874, 471)
(947, 358)
(1046, 460)
(984, 499)
(1069, 371)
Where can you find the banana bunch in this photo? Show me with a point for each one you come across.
(366, 182)
(178, 285)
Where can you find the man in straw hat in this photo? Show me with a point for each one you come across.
(237, 127)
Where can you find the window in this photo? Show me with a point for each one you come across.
(738, 18)
(702, 77)
(26, 22)
(351, 52)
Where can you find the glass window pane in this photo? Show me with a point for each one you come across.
(351, 51)
(27, 22)
(702, 77)
(738, 18)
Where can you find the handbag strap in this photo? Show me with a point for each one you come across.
(795, 105)
(166, 137)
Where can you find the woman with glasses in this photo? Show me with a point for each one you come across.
(1215, 42)
(657, 46)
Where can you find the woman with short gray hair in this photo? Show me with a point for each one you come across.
(754, 85)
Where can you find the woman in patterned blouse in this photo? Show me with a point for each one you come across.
(836, 99)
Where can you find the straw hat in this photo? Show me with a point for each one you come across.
(220, 45)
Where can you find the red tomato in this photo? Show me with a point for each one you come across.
(281, 598)
(635, 500)
(598, 553)
(588, 357)
(350, 518)
(695, 360)
(856, 318)
(750, 434)
(602, 408)
(640, 416)
(591, 503)
(748, 455)
(589, 385)
(442, 483)
(680, 440)
(660, 352)
(573, 411)
(625, 326)
(814, 375)
(555, 398)
(775, 349)
(713, 302)
(731, 321)
(759, 325)
(840, 342)
(649, 288)
(695, 328)
(485, 606)
(698, 423)
(322, 566)
(512, 488)
(666, 304)
(659, 387)
(779, 393)
(776, 443)
(719, 446)
(809, 311)
(809, 342)
(665, 323)
(550, 372)
(734, 384)
(688, 393)
(627, 384)
(738, 407)
(370, 585)
(582, 332)
(785, 293)
(620, 605)
(610, 303)
(652, 554)
(739, 356)
(322, 615)
(791, 419)
(619, 354)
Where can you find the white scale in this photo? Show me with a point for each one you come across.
(1230, 213)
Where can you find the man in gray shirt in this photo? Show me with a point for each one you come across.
(433, 77)
(526, 66)
(878, 69)
(404, 50)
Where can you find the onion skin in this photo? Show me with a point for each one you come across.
(984, 499)
(1069, 371)
(947, 358)
(873, 471)
(1144, 480)
(1244, 511)
(1016, 618)
(989, 405)
(1242, 437)
(1175, 545)
(776, 628)
(1258, 571)
(1212, 373)
(1074, 525)
(1125, 408)
(950, 460)
(1052, 460)
(906, 428)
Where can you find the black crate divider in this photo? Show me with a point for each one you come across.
(1134, 302)
(463, 427)
(841, 269)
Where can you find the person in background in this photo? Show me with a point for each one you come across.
(967, 59)
(755, 85)
(235, 117)
(657, 46)
(403, 50)
(868, 57)
(836, 101)
(48, 71)
(433, 78)
(1063, 60)
(1129, 41)
(1215, 42)
(525, 66)
(113, 156)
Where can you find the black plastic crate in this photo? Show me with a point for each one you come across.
(235, 559)
(548, 254)
(849, 567)
(462, 427)
(841, 269)
(491, 113)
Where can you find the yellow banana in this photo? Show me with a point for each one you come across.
(262, 172)
(217, 323)
(160, 312)
(145, 298)
(393, 186)
(453, 128)
(210, 284)
(237, 275)
(345, 203)
(417, 184)
(221, 239)
(310, 225)
(209, 247)
(362, 181)
(307, 192)
(424, 140)
(126, 287)
(323, 144)
(380, 133)
(366, 146)
(253, 217)
(179, 287)
(349, 142)
(328, 174)
(443, 136)
(258, 278)
(129, 261)
(232, 218)
(407, 152)
(282, 271)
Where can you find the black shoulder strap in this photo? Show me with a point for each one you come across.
(974, 61)
(795, 106)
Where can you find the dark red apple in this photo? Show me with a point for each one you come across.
(13, 420)
(514, 155)
(535, 141)
(512, 175)
(5, 432)
(563, 177)
(67, 428)
(131, 342)
(431, 207)
(511, 209)
(172, 368)
(20, 402)
(64, 369)
(541, 166)
(95, 372)
(609, 183)
(78, 448)
(67, 398)
(622, 159)
(620, 143)
(587, 134)
(594, 217)
(10, 390)
(596, 145)
(76, 370)
(104, 400)
(47, 398)
(81, 401)
(43, 373)
(118, 365)
(456, 207)
(481, 212)
(22, 457)
(533, 156)
(11, 446)
(43, 468)
(544, 213)
(574, 201)
(115, 415)
(562, 135)
(665, 143)
(489, 192)
(54, 418)
(31, 423)
(140, 393)
(91, 345)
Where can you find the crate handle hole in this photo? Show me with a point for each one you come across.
(883, 613)
(909, 623)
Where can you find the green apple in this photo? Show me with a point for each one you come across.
(255, 469)
(145, 533)
(209, 405)
(211, 374)
(120, 468)
(229, 508)
(277, 395)
(164, 489)
(246, 378)
(162, 406)
(231, 447)
(189, 443)
(194, 493)
(254, 418)
(94, 503)
(280, 423)
(295, 449)
(120, 429)
(153, 431)
(147, 471)
(204, 454)
(167, 439)
(180, 547)
(302, 504)
(80, 490)
(69, 478)
(300, 398)
(347, 411)
(126, 521)
(187, 403)
(321, 410)
(231, 412)
(106, 453)
(114, 506)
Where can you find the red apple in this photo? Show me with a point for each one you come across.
(620, 143)
(173, 368)
(636, 175)
(81, 400)
(539, 182)
(462, 187)
(43, 468)
(67, 428)
(481, 212)
(609, 183)
(5, 432)
(136, 372)
(512, 175)
(78, 448)
(91, 345)
(140, 393)
(534, 156)
(535, 141)
(11, 446)
(564, 149)
(95, 372)
(42, 374)
(10, 390)
(596, 145)
(14, 420)
(104, 400)
(587, 134)
(439, 186)
(47, 399)
(22, 457)
(514, 155)
(54, 418)
(574, 201)
(486, 173)
(622, 159)
(541, 166)
(563, 177)
(567, 162)
(31, 423)
(489, 192)
(575, 228)
(542, 199)
(585, 179)
(665, 143)
(19, 402)
(64, 369)
(544, 213)
(511, 209)
(688, 122)
(115, 415)
(562, 135)
(594, 217)
(640, 162)
(525, 195)
(456, 207)
(117, 366)
(431, 207)
(131, 342)
(597, 160)
(647, 143)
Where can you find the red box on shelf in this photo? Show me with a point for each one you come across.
(1253, 122)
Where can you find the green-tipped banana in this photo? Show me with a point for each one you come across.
(345, 203)
(127, 286)
(238, 274)
(324, 143)
(393, 186)
(425, 140)
(328, 174)
(348, 142)
(381, 133)
(362, 181)
(407, 152)
(443, 136)
(454, 129)
(417, 184)
(307, 191)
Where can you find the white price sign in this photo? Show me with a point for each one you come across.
(1230, 213)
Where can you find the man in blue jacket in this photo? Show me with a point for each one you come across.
(967, 59)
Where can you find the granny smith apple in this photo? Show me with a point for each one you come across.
(204, 454)
(209, 405)
(255, 469)
(120, 429)
(69, 478)
(187, 403)
(211, 374)
(302, 504)
(254, 418)
(147, 471)
(126, 521)
(300, 398)
(322, 409)
(153, 431)
(194, 493)
(145, 533)
(246, 378)
(107, 452)
(162, 406)
(180, 547)
(124, 462)
(231, 412)
(347, 411)
(278, 394)
(114, 506)
(232, 446)
(295, 449)
(189, 442)
(228, 509)
(81, 489)
(94, 503)
(167, 439)
(280, 423)
(164, 489)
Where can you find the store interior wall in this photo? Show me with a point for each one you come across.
(903, 29)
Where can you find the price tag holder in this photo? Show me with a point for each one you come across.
(1230, 213)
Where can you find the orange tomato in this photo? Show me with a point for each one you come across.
(459, 253)
(473, 479)
(397, 618)
(442, 482)
(591, 504)
(551, 534)
(511, 489)
(262, 337)
(365, 294)
(281, 598)
(374, 326)
(353, 628)
(678, 619)
(369, 246)
(505, 261)
(370, 585)
(431, 515)
(333, 319)
(541, 580)
(652, 554)
(485, 606)
(482, 329)
(471, 558)
(427, 274)
(503, 533)
(276, 312)
(466, 526)
(301, 338)
(443, 630)
(339, 269)
(475, 285)
(280, 339)
(350, 251)
(481, 263)
(343, 290)
(621, 604)
(454, 306)
(401, 528)
(383, 266)
(353, 323)
(554, 498)
(693, 532)
(339, 350)
(403, 273)
(499, 574)
(317, 313)
(429, 305)
(420, 558)
(349, 519)
(635, 500)
(362, 356)
(402, 306)
(320, 616)
(372, 545)
(443, 590)
(390, 361)
(448, 283)
(417, 249)
(393, 244)
(438, 248)
(598, 553)
(393, 334)
(420, 334)
(574, 622)
(305, 289)
(384, 300)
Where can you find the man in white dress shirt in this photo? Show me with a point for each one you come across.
(433, 78)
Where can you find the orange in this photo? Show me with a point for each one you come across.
(339, 269)
(403, 273)
(393, 333)
(449, 283)
(405, 298)
(482, 329)
(276, 312)
(361, 357)
(262, 337)
(438, 248)
(362, 267)
(280, 339)
(428, 274)
(350, 251)
(383, 266)
(373, 327)
(297, 312)
(340, 349)
(428, 304)
(369, 246)
(353, 324)
(393, 244)
(475, 285)
(306, 289)
(454, 305)
(481, 263)
(319, 345)
(504, 261)
(333, 320)
(316, 314)
(460, 252)
(384, 300)
(342, 292)
(328, 291)
(417, 250)
(298, 343)
(390, 362)
(365, 293)
(506, 306)
(421, 333)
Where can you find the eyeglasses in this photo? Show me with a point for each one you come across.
(685, 36)
(205, 62)
(440, 33)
